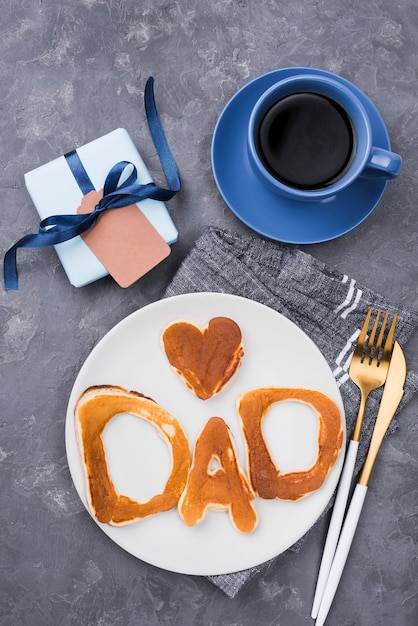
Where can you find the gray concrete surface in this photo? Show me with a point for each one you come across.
(72, 70)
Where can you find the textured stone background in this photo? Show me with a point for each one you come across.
(73, 70)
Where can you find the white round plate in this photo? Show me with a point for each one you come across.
(277, 354)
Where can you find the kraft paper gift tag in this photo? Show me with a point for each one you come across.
(123, 240)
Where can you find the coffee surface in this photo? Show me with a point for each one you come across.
(306, 140)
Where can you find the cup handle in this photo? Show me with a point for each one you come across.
(382, 164)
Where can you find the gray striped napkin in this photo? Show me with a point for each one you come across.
(328, 306)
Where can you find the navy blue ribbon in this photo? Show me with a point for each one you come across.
(79, 173)
(56, 229)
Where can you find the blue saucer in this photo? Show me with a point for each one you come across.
(267, 213)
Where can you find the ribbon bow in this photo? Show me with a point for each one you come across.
(58, 228)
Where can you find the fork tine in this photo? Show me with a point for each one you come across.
(358, 351)
(368, 356)
(387, 349)
(376, 353)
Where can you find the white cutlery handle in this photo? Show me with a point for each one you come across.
(341, 554)
(335, 523)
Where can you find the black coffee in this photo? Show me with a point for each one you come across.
(306, 141)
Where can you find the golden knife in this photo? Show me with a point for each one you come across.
(392, 395)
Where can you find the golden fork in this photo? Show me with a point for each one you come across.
(392, 395)
(368, 370)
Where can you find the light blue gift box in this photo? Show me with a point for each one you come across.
(55, 191)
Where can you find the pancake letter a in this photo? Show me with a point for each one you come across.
(216, 481)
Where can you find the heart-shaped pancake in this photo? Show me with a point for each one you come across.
(205, 359)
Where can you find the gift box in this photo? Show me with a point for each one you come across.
(55, 190)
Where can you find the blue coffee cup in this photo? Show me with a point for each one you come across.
(310, 137)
